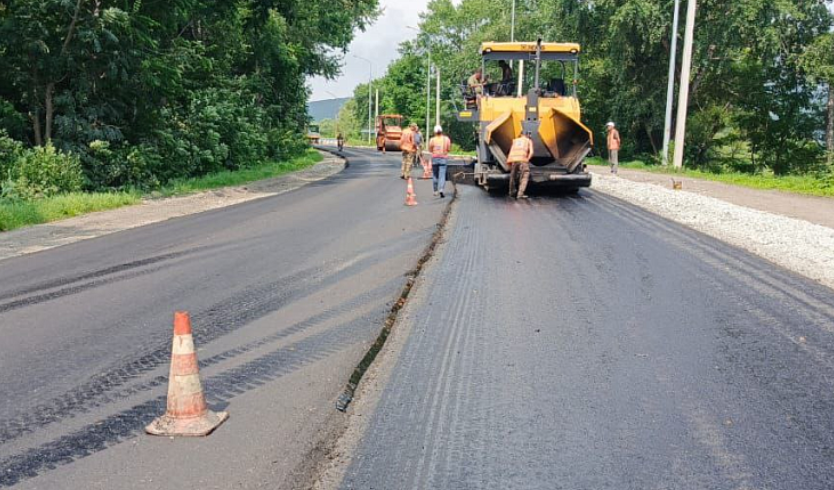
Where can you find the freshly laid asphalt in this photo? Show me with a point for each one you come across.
(581, 343)
(559, 343)
(286, 295)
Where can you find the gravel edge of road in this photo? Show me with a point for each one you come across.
(46, 236)
(366, 393)
(794, 244)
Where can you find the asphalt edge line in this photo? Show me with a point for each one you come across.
(336, 154)
(367, 360)
(8, 252)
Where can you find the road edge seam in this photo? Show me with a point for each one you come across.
(359, 371)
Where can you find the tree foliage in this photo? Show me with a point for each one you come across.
(142, 91)
(759, 70)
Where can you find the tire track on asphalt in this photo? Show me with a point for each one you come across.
(815, 312)
(449, 397)
(212, 323)
(27, 423)
(436, 395)
(65, 281)
(219, 388)
(774, 277)
(463, 395)
(758, 364)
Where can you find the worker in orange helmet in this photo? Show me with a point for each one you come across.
(520, 155)
(408, 148)
(440, 145)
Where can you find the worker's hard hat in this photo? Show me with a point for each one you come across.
(610, 124)
(438, 129)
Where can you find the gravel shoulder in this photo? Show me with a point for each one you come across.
(762, 225)
(50, 235)
(817, 210)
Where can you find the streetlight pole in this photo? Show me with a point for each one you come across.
(670, 91)
(686, 70)
(437, 107)
(370, 94)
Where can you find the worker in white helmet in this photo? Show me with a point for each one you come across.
(613, 143)
(439, 146)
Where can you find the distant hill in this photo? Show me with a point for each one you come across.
(325, 109)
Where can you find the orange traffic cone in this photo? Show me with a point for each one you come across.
(426, 169)
(187, 413)
(410, 196)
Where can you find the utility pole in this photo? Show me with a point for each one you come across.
(512, 33)
(370, 120)
(686, 71)
(437, 107)
(376, 111)
(428, 96)
(670, 91)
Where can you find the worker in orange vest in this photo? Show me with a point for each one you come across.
(613, 143)
(439, 146)
(409, 150)
(520, 155)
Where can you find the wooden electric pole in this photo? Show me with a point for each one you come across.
(686, 71)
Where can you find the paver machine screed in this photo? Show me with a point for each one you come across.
(541, 98)
(388, 132)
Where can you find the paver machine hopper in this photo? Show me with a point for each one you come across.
(388, 132)
(532, 96)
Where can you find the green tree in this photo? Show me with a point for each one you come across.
(818, 61)
(143, 94)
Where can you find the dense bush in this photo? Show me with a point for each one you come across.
(10, 151)
(109, 165)
(42, 171)
(143, 95)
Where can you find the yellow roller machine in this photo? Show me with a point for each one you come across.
(540, 97)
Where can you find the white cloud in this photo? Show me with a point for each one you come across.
(378, 43)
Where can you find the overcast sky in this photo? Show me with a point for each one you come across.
(379, 43)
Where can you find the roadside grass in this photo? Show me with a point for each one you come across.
(799, 184)
(19, 213)
(360, 142)
(229, 178)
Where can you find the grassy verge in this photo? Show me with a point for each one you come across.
(17, 214)
(798, 184)
(269, 170)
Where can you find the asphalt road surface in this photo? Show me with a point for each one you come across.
(286, 294)
(581, 343)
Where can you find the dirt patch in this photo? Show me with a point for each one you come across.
(50, 235)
